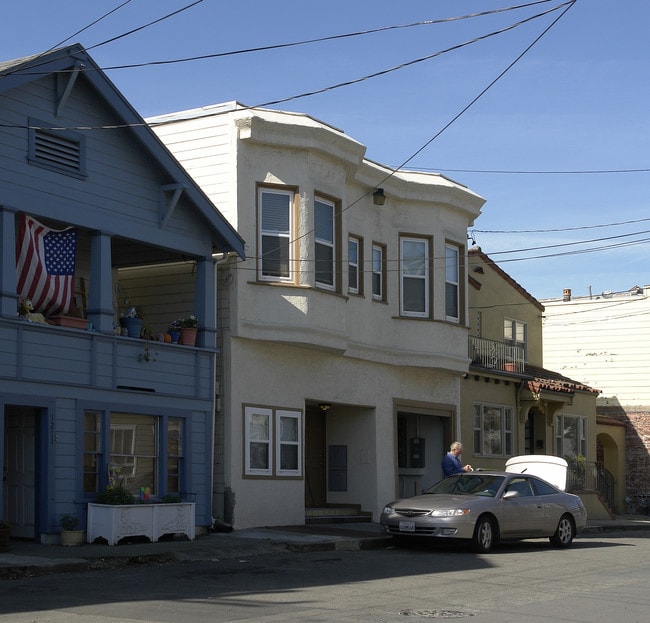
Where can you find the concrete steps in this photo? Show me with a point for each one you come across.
(337, 514)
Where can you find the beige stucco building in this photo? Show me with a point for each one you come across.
(511, 404)
(343, 336)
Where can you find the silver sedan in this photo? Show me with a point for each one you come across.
(487, 507)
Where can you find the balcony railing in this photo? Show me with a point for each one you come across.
(35, 352)
(495, 355)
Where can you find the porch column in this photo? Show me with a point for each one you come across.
(8, 295)
(100, 293)
(205, 302)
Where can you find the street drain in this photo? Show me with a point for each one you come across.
(436, 614)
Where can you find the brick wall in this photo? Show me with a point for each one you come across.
(637, 452)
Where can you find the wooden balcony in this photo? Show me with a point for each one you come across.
(495, 355)
(66, 356)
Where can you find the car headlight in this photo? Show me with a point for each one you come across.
(450, 512)
(387, 510)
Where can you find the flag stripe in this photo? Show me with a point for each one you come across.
(45, 260)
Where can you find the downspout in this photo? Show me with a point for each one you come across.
(219, 258)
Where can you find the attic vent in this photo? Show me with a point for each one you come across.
(57, 150)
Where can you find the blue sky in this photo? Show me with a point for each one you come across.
(535, 144)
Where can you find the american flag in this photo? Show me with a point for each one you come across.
(45, 262)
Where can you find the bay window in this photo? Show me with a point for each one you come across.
(452, 283)
(324, 231)
(275, 248)
(414, 273)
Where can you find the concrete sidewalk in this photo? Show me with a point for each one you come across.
(25, 558)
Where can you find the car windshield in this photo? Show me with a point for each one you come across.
(468, 484)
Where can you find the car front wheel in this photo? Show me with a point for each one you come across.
(485, 535)
(564, 533)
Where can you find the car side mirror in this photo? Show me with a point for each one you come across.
(508, 495)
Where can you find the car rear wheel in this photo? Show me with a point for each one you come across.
(564, 533)
(485, 535)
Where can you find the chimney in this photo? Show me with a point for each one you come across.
(566, 294)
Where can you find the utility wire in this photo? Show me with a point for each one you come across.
(139, 28)
(562, 229)
(358, 33)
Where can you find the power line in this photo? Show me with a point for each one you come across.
(550, 172)
(562, 229)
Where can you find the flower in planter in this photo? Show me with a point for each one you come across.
(132, 312)
(191, 322)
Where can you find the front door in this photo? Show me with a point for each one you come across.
(19, 470)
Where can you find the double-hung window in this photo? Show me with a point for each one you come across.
(325, 235)
(355, 267)
(571, 436)
(378, 272)
(414, 272)
(273, 442)
(275, 246)
(493, 430)
(452, 283)
(515, 334)
(143, 451)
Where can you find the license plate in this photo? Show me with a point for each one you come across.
(407, 526)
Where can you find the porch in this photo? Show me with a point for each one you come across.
(35, 352)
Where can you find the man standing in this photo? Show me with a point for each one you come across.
(451, 461)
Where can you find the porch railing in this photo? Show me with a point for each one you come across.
(590, 476)
(492, 354)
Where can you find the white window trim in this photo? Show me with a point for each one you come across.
(378, 248)
(274, 442)
(505, 432)
(289, 236)
(425, 277)
(356, 288)
(326, 243)
(297, 415)
(455, 283)
(248, 413)
(513, 341)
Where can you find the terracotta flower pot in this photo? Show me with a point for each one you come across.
(188, 336)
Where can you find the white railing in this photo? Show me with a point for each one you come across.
(495, 355)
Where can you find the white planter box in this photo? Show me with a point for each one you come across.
(113, 522)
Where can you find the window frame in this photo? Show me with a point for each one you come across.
(378, 271)
(453, 284)
(506, 429)
(424, 277)
(356, 266)
(330, 243)
(510, 327)
(281, 235)
(280, 443)
(101, 454)
(274, 442)
(581, 436)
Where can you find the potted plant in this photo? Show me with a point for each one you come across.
(71, 536)
(5, 535)
(131, 322)
(189, 327)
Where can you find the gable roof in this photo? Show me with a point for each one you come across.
(15, 73)
(476, 251)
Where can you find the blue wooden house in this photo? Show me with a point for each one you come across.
(78, 164)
